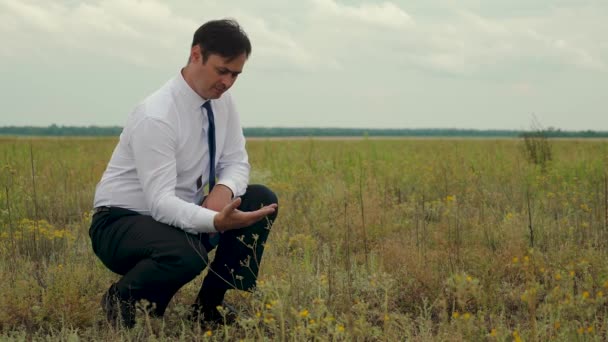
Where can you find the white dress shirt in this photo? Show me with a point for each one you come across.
(161, 162)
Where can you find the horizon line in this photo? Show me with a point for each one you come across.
(547, 129)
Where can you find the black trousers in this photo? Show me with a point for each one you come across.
(156, 259)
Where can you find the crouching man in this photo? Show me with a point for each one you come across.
(152, 223)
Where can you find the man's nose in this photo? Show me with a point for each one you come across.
(228, 80)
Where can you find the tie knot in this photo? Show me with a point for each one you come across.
(207, 105)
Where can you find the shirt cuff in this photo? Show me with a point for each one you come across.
(203, 220)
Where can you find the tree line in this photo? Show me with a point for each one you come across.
(110, 131)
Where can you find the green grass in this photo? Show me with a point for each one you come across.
(376, 240)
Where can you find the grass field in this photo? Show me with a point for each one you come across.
(385, 240)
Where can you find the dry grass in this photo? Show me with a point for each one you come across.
(377, 240)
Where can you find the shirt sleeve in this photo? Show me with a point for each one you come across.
(233, 164)
(154, 143)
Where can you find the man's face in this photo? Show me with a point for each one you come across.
(216, 75)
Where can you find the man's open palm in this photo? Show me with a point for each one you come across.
(232, 218)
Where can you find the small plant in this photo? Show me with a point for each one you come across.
(537, 148)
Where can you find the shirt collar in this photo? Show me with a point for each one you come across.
(188, 95)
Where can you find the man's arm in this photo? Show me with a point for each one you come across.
(218, 198)
(153, 143)
(233, 162)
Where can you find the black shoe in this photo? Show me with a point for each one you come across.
(210, 318)
(118, 312)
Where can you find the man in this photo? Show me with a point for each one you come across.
(152, 224)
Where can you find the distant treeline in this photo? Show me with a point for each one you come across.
(95, 131)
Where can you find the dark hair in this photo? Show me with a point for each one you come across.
(224, 37)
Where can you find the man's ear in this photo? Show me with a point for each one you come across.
(195, 54)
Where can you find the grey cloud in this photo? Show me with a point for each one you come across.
(410, 64)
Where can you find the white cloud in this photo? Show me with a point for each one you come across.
(274, 47)
(127, 29)
(144, 33)
(469, 43)
(385, 14)
(32, 15)
(320, 35)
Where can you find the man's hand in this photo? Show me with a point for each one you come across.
(232, 218)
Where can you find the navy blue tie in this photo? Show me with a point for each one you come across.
(211, 141)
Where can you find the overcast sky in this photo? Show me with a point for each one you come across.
(484, 64)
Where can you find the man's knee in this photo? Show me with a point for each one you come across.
(185, 263)
(260, 195)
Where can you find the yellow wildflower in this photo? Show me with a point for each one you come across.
(208, 333)
(304, 313)
(340, 328)
(586, 294)
(516, 336)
